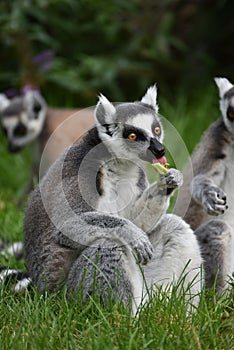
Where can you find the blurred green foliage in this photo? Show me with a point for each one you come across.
(118, 47)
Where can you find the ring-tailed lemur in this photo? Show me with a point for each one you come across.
(212, 192)
(94, 215)
(27, 119)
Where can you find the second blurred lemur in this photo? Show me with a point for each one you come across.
(27, 119)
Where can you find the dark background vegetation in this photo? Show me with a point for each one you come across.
(117, 47)
(74, 49)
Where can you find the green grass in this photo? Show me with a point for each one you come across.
(31, 321)
(50, 322)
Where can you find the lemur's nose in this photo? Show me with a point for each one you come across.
(156, 148)
(20, 130)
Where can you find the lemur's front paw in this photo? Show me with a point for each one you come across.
(143, 249)
(214, 200)
(172, 179)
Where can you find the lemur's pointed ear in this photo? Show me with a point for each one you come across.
(105, 111)
(223, 85)
(4, 102)
(150, 97)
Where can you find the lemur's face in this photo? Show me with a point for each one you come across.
(22, 119)
(226, 103)
(133, 130)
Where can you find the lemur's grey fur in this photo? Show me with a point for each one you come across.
(212, 192)
(26, 119)
(95, 217)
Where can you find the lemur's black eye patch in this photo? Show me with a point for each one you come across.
(230, 113)
(131, 130)
(37, 107)
(156, 129)
(12, 110)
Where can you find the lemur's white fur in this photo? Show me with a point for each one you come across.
(143, 122)
(109, 108)
(22, 284)
(150, 97)
(224, 85)
(4, 102)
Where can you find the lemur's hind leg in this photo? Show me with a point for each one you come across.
(176, 257)
(215, 238)
(107, 272)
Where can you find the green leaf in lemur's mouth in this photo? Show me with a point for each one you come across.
(160, 164)
(161, 168)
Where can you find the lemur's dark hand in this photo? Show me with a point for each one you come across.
(214, 200)
(143, 249)
(171, 180)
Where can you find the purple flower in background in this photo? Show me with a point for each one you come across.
(44, 60)
(11, 93)
(27, 88)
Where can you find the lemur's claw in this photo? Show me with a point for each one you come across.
(143, 250)
(214, 201)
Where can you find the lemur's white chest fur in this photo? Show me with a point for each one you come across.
(226, 184)
(228, 187)
(119, 181)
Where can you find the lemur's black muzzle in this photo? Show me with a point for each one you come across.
(20, 130)
(155, 150)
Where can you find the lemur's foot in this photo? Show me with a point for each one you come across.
(214, 201)
(172, 179)
(143, 249)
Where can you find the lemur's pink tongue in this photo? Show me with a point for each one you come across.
(162, 160)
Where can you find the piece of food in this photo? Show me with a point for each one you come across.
(161, 168)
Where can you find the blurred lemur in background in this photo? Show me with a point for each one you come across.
(212, 191)
(26, 119)
(94, 217)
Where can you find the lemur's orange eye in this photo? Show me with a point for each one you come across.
(157, 130)
(132, 136)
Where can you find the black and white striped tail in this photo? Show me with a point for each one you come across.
(15, 249)
(17, 280)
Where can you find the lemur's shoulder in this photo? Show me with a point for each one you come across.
(211, 147)
(219, 133)
(86, 148)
